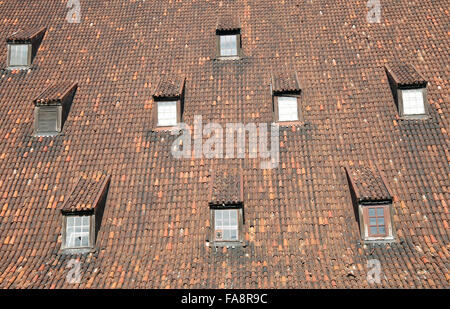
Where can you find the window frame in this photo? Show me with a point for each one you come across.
(156, 112)
(8, 56)
(240, 230)
(276, 109)
(401, 104)
(365, 223)
(91, 245)
(237, 33)
(38, 132)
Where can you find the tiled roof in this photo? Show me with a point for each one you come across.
(405, 74)
(26, 35)
(285, 82)
(228, 22)
(55, 93)
(226, 188)
(87, 193)
(300, 227)
(169, 86)
(367, 186)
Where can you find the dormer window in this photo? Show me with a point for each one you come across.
(52, 107)
(83, 211)
(168, 98)
(226, 204)
(228, 34)
(372, 203)
(22, 47)
(286, 97)
(409, 91)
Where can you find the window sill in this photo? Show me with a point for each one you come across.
(166, 128)
(232, 244)
(46, 134)
(290, 123)
(228, 58)
(379, 240)
(19, 68)
(70, 251)
(415, 117)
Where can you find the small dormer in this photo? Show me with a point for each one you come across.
(52, 107)
(226, 204)
(409, 89)
(372, 201)
(82, 212)
(285, 89)
(22, 47)
(228, 33)
(169, 102)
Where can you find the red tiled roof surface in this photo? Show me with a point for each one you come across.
(367, 186)
(226, 188)
(26, 34)
(300, 227)
(285, 82)
(87, 193)
(55, 93)
(405, 74)
(228, 21)
(169, 86)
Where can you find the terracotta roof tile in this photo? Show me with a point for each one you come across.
(87, 193)
(285, 82)
(55, 93)
(405, 74)
(367, 186)
(226, 189)
(26, 35)
(169, 86)
(228, 22)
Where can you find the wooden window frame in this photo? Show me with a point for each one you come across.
(92, 239)
(8, 56)
(365, 223)
(227, 243)
(276, 112)
(155, 113)
(402, 115)
(238, 43)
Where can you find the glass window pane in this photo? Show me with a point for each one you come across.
(371, 212)
(18, 55)
(380, 212)
(382, 230)
(228, 45)
(167, 113)
(287, 109)
(372, 221)
(413, 102)
(373, 230)
(380, 221)
(233, 234)
(226, 219)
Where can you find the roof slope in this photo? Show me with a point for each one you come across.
(299, 221)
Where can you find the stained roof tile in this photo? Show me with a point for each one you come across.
(367, 186)
(405, 74)
(55, 93)
(26, 35)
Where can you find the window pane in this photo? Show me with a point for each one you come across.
(382, 230)
(228, 45)
(373, 230)
(287, 109)
(371, 212)
(413, 102)
(77, 231)
(380, 212)
(372, 221)
(167, 113)
(47, 119)
(18, 55)
(381, 221)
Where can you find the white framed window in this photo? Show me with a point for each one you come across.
(78, 231)
(18, 55)
(228, 45)
(413, 102)
(47, 119)
(167, 113)
(226, 224)
(287, 109)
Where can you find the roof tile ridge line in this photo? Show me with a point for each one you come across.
(383, 178)
(38, 32)
(272, 77)
(71, 192)
(70, 88)
(297, 80)
(104, 185)
(390, 71)
(352, 182)
(241, 189)
(419, 73)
